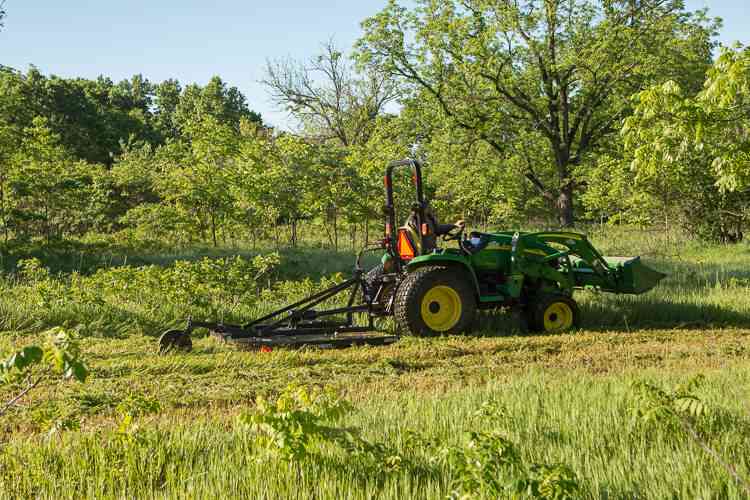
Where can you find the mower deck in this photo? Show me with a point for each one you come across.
(298, 325)
(319, 341)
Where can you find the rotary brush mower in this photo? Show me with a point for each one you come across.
(298, 324)
(430, 290)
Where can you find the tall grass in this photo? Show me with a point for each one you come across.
(578, 419)
(564, 398)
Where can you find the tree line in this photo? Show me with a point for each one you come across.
(544, 112)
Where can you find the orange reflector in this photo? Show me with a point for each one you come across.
(265, 348)
(425, 229)
(388, 229)
(405, 248)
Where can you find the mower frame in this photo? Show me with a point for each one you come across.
(299, 324)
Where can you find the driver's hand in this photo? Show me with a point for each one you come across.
(460, 224)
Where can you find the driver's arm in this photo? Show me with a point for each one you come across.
(441, 229)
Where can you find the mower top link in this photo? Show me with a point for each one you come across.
(431, 290)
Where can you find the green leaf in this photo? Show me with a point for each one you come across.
(24, 358)
(77, 370)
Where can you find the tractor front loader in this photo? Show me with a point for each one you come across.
(430, 290)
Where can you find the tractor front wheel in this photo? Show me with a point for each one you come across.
(435, 301)
(553, 314)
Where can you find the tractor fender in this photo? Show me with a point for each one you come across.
(445, 260)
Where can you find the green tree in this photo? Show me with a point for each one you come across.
(389, 140)
(332, 188)
(690, 151)
(167, 99)
(49, 193)
(36, 178)
(473, 183)
(90, 116)
(505, 70)
(95, 117)
(12, 115)
(226, 105)
(273, 178)
(199, 179)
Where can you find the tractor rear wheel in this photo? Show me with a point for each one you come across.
(553, 314)
(435, 301)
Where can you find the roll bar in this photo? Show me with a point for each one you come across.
(390, 208)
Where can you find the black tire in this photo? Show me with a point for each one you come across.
(553, 314)
(413, 292)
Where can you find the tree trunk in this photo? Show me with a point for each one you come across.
(46, 222)
(213, 228)
(564, 206)
(329, 234)
(335, 230)
(561, 202)
(2, 200)
(564, 200)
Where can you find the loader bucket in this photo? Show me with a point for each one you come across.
(633, 276)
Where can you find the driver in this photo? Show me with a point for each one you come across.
(429, 241)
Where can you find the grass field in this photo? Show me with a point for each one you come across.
(145, 425)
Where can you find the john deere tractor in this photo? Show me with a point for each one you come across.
(433, 290)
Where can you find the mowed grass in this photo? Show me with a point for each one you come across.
(565, 399)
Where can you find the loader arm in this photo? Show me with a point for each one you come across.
(583, 265)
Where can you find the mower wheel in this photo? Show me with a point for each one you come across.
(434, 301)
(175, 340)
(553, 314)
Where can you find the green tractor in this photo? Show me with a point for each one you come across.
(432, 290)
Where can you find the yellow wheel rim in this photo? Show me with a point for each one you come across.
(558, 317)
(441, 308)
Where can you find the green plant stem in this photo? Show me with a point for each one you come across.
(18, 397)
(713, 453)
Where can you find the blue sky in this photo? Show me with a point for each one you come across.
(191, 40)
